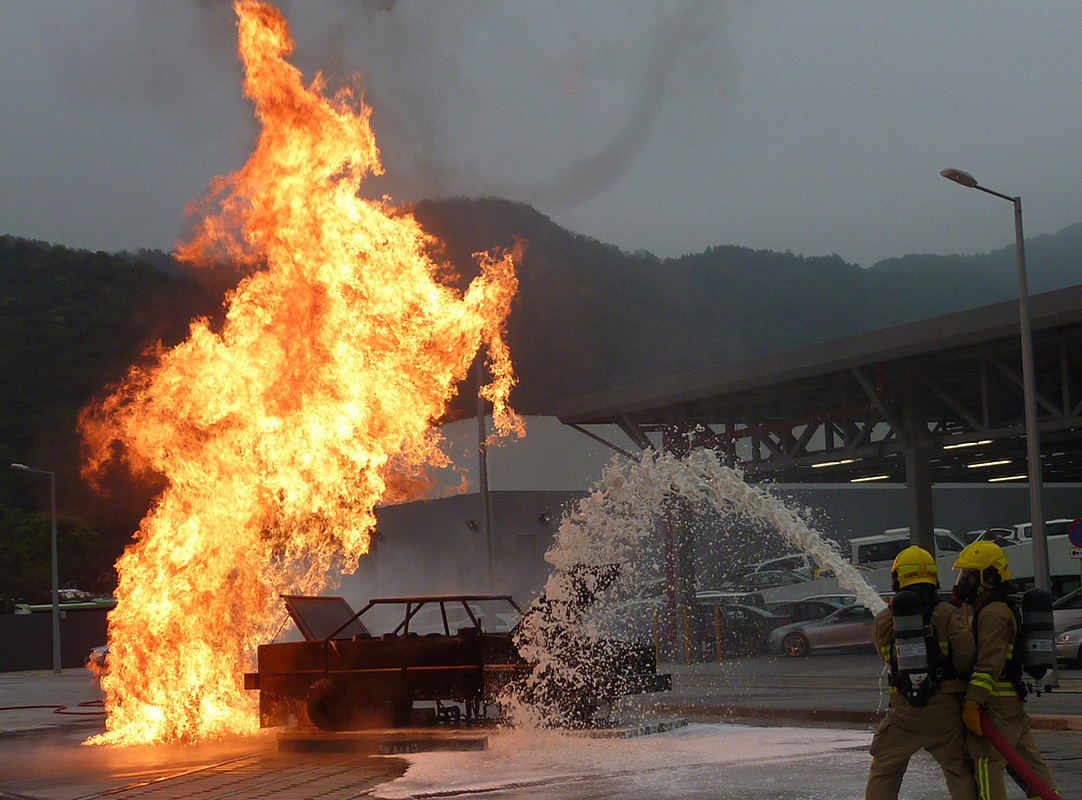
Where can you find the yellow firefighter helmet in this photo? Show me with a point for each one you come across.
(988, 560)
(913, 565)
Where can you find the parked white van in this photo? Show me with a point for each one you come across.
(880, 550)
(1053, 527)
(1062, 569)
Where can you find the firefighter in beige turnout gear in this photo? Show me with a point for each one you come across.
(926, 714)
(996, 684)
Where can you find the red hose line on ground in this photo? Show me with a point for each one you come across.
(1018, 764)
(58, 709)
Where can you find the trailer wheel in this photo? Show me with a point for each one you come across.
(328, 705)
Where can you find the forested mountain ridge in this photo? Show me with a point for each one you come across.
(587, 316)
(71, 322)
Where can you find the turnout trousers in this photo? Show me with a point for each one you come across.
(937, 728)
(1009, 716)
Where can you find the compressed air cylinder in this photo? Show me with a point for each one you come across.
(910, 648)
(1038, 630)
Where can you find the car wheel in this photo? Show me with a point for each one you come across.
(795, 645)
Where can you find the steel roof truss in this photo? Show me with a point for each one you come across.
(877, 401)
(602, 440)
(864, 433)
(1016, 380)
(773, 446)
(634, 432)
(948, 399)
(800, 445)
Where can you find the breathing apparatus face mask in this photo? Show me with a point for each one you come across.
(967, 586)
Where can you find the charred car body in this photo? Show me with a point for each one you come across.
(345, 677)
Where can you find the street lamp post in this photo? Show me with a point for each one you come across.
(56, 578)
(1033, 443)
(482, 474)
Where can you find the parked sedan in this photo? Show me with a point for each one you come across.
(840, 598)
(804, 610)
(848, 627)
(1069, 646)
(744, 629)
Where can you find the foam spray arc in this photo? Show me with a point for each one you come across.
(610, 538)
(277, 433)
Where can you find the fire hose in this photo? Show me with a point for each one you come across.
(1023, 771)
(63, 710)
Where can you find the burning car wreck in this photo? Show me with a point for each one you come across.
(343, 676)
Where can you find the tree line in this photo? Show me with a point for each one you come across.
(588, 316)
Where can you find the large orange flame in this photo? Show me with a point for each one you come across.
(277, 434)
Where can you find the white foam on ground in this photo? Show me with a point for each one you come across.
(534, 760)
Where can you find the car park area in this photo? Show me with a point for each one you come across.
(744, 630)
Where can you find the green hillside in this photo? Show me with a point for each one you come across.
(587, 316)
(591, 316)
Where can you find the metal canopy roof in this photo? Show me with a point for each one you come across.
(950, 386)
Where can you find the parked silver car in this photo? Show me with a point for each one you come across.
(850, 626)
(1069, 646)
(803, 610)
(1067, 611)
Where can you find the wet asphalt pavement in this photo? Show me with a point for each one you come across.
(795, 728)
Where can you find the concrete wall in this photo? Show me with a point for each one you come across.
(26, 640)
(550, 457)
(439, 547)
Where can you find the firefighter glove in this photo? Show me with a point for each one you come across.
(971, 716)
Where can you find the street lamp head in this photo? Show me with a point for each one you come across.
(958, 176)
(35, 470)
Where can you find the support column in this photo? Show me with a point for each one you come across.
(679, 552)
(680, 545)
(918, 472)
(482, 474)
(918, 484)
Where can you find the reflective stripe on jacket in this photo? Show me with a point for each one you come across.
(995, 631)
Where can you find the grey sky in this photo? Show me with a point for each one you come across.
(817, 127)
